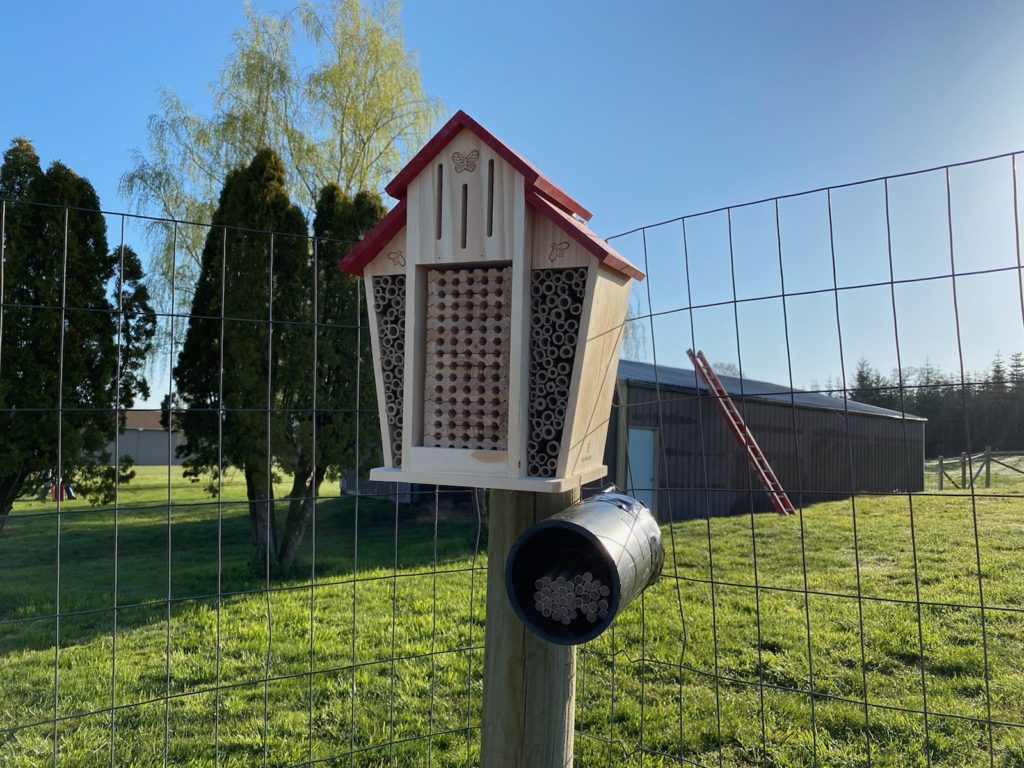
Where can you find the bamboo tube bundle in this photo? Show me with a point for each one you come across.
(468, 327)
(389, 307)
(556, 303)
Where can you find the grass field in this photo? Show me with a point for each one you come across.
(377, 660)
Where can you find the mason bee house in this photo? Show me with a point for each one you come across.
(496, 319)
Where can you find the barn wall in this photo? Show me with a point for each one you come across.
(818, 455)
(148, 447)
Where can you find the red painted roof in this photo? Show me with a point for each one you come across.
(541, 194)
(534, 178)
(579, 232)
(373, 242)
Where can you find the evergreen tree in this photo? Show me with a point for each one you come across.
(1015, 373)
(344, 377)
(995, 407)
(234, 365)
(996, 381)
(930, 388)
(871, 387)
(74, 329)
(1015, 419)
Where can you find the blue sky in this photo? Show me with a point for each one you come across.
(644, 112)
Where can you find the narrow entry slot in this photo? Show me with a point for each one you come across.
(490, 197)
(465, 204)
(437, 201)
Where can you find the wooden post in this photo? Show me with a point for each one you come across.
(942, 473)
(963, 471)
(988, 466)
(529, 684)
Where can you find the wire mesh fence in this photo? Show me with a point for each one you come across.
(151, 620)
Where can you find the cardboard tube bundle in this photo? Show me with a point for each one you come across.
(556, 303)
(389, 306)
(566, 598)
(465, 383)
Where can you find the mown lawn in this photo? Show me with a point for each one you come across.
(378, 660)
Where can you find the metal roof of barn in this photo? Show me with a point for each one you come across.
(750, 389)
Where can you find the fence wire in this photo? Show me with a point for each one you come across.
(880, 625)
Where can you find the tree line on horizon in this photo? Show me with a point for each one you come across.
(984, 409)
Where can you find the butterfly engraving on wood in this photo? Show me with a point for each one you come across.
(397, 258)
(558, 250)
(465, 162)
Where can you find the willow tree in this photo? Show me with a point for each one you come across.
(347, 118)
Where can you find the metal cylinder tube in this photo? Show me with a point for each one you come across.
(613, 538)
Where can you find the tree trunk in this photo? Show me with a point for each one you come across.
(10, 487)
(305, 490)
(261, 518)
(250, 494)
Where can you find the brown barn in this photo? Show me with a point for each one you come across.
(669, 444)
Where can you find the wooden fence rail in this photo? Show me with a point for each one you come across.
(971, 467)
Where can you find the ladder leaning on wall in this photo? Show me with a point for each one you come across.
(740, 430)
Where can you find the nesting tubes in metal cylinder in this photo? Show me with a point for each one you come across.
(570, 575)
(556, 300)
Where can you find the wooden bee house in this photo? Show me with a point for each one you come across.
(496, 319)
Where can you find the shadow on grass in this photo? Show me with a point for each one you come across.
(191, 553)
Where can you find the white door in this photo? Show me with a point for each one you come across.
(640, 465)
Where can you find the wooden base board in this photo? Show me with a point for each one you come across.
(534, 484)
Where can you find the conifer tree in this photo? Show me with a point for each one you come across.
(75, 328)
(344, 377)
(243, 343)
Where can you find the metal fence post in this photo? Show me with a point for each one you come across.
(942, 472)
(988, 466)
(963, 471)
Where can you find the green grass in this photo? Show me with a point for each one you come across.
(396, 648)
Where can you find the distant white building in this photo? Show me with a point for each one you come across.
(145, 440)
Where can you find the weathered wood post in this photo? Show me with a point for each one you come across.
(988, 466)
(567, 577)
(529, 684)
(496, 319)
(942, 472)
(963, 471)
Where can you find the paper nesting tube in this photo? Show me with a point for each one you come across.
(468, 327)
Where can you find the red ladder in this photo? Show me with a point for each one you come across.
(742, 433)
